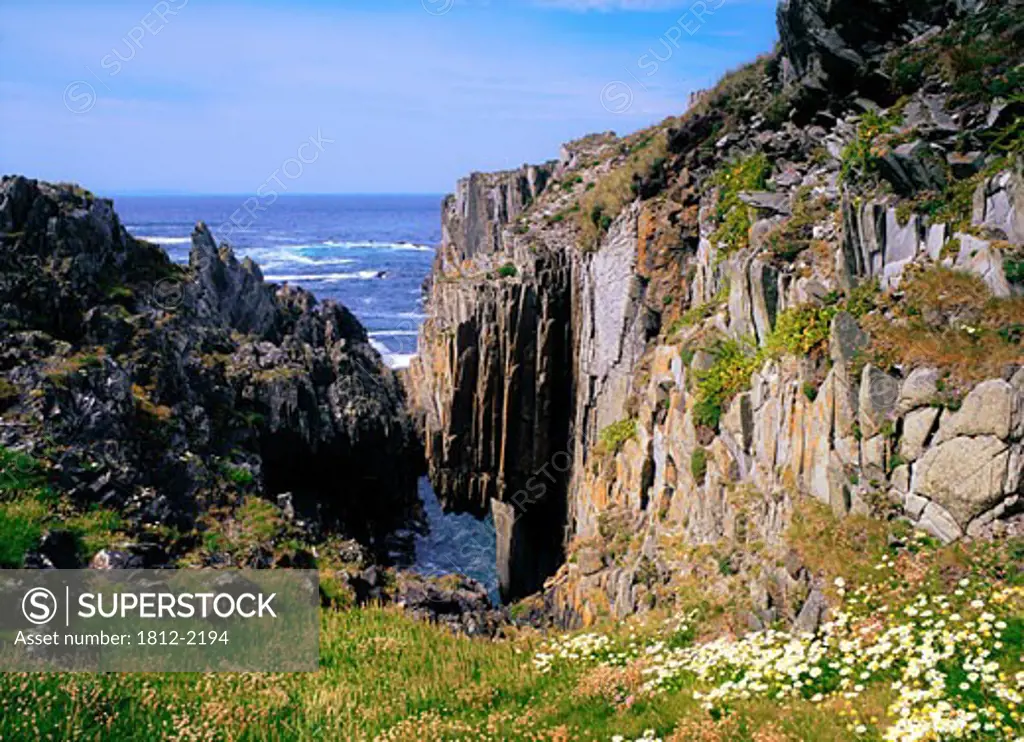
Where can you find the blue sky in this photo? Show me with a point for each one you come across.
(397, 96)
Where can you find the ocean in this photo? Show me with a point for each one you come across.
(370, 253)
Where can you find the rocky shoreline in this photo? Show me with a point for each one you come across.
(643, 359)
(212, 418)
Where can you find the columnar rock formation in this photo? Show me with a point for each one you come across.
(581, 316)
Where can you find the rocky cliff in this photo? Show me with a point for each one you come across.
(649, 357)
(175, 400)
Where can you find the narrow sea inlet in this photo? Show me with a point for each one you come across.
(370, 253)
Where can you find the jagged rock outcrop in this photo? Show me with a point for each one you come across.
(837, 46)
(165, 393)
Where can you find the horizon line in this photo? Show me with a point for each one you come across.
(155, 194)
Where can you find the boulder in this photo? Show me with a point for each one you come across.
(993, 408)
(937, 521)
(913, 167)
(879, 393)
(966, 476)
(917, 427)
(919, 389)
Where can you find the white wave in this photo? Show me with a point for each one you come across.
(399, 360)
(377, 245)
(278, 258)
(325, 277)
(393, 360)
(167, 240)
(394, 333)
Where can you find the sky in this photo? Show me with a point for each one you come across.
(368, 96)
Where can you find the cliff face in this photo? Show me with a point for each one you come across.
(680, 338)
(164, 394)
(494, 392)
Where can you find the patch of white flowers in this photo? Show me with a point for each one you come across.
(943, 655)
(648, 736)
(599, 649)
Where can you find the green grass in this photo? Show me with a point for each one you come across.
(645, 154)
(614, 437)
(699, 464)
(730, 374)
(21, 525)
(860, 157)
(386, 676)
(800, 330)
(749, 174)
(29, 506)
(237, 475)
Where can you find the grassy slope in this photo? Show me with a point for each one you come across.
(386, 676)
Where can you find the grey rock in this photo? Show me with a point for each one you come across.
(913, 167)
(914, 505)
(981, 526)
(917, 428)
(979, 257)
(879, 394)
(999, 206)
(900, 479)
(926, 114)
(846, 339)
(777, 203)
(993, 408)
(937, 521)
(919, 389)
(229, 291)
(812, 614)
(966, 476)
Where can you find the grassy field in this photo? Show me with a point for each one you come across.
(927, 645)
(382, 676)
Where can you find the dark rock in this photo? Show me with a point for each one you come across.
(837, 46)
(147, 379)
(58, 549)
(452, 600)
(965, 165)
(912, 168)
(847, 340)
